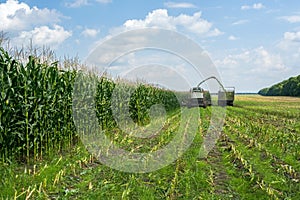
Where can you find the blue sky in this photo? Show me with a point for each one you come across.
(253, 44)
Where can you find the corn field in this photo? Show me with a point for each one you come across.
(43, 155)
(36, 106)
(35, 112)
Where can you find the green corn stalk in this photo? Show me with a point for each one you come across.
(36, 106)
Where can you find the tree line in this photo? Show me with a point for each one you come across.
(289, 87)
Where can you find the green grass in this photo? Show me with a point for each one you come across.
(248, 162)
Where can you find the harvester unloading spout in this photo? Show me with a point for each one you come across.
(201, 98)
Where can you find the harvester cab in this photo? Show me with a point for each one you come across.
(197, 98)
(202, 98)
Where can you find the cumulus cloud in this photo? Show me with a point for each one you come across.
(267, 60)
(44, 35)
(257, 67)
(290, 42)
(179, 5)
(161, 19)
(25, 23)
(192, 25)
(289, 48)
(255, 6)
(255, 60)
(232, 38)
(17, 16)
(291, 19)
(292, 36)
(90, 32)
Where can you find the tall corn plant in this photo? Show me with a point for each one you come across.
(35, 105)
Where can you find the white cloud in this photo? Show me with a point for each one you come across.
(44, 35)
(255, 60)
(17, 16)
(290, 43)
(291, 19)
(232, 38)
(104, 1)
(90, 32)
(268, 61)
(77, 3)
(256, 6)
(80, 3)
(157, 18)
(179, 5)
(252, 68)
(292, 36)
(240, 22)
(289, 48)
(25, 23)
(245, 7)
(161, 19)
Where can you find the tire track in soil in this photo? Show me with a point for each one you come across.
(221, 179)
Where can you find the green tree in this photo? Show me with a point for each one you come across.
(290, 87)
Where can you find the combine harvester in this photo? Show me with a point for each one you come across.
(202, 98)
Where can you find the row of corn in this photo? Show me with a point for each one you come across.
(36, 106)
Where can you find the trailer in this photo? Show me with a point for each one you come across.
(226, 97)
